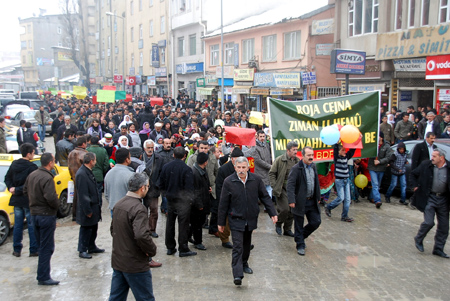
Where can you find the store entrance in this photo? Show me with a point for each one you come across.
(425, 98)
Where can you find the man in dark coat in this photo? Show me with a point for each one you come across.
(224, 171)
(176, 183)
(303, 191)
(239, 202)
(422, 151)
(88, 208)
(15, 180)
(64, 127)
(432, 186)
(200, 206)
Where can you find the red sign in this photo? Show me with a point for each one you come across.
(131, 81)
(92, 80)
(118, 78)
(251, 164)
(113, 88)
(438, 67)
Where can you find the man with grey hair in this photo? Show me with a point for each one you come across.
(132, 239)
(88, 207)
(303, 191)
(278, 176)
(428, 125)
(64, 127)
(431, 187)
(239, 202)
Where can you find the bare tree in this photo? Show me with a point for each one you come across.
(72, 13)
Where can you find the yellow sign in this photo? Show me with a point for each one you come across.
(259, 91)
(414, 42)
(64, 56)
(244, 74)
(79, 92)
(313, 93)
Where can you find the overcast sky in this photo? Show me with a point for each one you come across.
(11, 11)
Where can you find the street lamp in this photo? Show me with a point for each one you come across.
(123, 45)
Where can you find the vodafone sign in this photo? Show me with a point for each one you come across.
(438, 67)
(118, 78)
(131, 81)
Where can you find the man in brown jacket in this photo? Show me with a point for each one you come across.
(44, 204)
(132, 244)
(75, 161)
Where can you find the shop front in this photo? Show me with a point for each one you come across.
(186, 77)
(438, 71)
(161, 82)
(243, 82)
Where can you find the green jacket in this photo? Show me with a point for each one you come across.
(277, 174)
(102, 165)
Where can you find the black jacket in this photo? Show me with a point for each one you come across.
(167, 156)
(239, 202)
(176, 181)
(55, 125)
(88, 199)
(296, 188)
(62, 129)
(153, 168)
(420, 153)
(225, 171)
(15, 177)
(201, 188)
(422, 126)
(63, 148)
(422, 177)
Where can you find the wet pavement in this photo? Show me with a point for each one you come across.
(373, 258)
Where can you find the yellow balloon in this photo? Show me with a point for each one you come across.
(350, 133)
(361, 181)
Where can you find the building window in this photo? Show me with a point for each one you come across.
(24, 59)
(151, 28)
(192, 44)
(248, 50)
(425, 12)
(109, 42)
(292, 45)
(444, 11)
(362, 17)
(325, 92)
(181, 46)
(132, 60)
(214, 55)
(131, 8)
(411, 12)
(29, 28)
(132, 34)
(141, 59)
(398, 14)
(151, 57)
(30, 44)
(151, 4)
(163, 24)
(229, 53)
(59, 30)
(140, 5)
(141, 32)
(270, 48)
(59, 44)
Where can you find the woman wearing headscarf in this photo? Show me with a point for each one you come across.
(122, 143)
(145, 132)
(126, 121)
(134, 135)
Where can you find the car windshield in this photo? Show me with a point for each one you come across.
(3, 171)
(29, 114)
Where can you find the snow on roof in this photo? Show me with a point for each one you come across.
(294, 10)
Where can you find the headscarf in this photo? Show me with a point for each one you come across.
(391, 119)
(125, 121)
(144, 130)
(119, 143)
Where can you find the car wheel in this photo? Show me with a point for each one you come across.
(4, 229)
(64, 207)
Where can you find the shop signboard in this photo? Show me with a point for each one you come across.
(414, 42)
(201, 82)
(151, 80)
(308, 78)
(277, 80)
(159, 72)
(228, 71)
(211, 80)
(189, 68)
(406, 96)
(278, 91)
(259, 91)
(324, 49)
(320, 27)
(302, 122)
(118, 78)
(244, 74)
(410, 65)
(155, 55)
(348, 62)
(438, 67)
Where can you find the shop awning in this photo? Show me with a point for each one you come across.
(205, 91)
(241, 90)
(259, 91)
(74, 78)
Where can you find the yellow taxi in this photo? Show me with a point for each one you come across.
(62, 178)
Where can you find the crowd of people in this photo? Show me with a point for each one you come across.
(137, 154)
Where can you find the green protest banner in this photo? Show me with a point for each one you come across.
(120, 95)
(302, 122)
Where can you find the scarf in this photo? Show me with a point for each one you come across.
(144, 130)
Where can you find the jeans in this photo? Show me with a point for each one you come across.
(20, 213)
(140, 284)
(375, 178)
(44, 227)
(41, 132)
(394, 183)
(269, 190)
(164, 203)
(343, 195)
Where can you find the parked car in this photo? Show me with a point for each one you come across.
(29, 95)
(34, 104)
(440, 143)
(12, 147)
(28, 116)
(62, 178)
(11, 110)
(5, 100)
